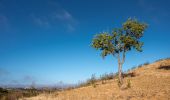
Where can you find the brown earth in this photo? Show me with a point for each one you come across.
(152, 82)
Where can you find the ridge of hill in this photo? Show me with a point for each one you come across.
(150, 82)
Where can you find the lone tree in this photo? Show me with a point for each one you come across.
(119, 41)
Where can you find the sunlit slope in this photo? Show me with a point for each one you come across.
(151, 82)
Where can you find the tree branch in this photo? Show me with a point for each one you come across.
(118, 57)
(123, 59)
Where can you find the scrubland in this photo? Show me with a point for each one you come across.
(145, 82)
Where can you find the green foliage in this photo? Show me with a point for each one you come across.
(134, 28)
(120, 40)
(104, 42)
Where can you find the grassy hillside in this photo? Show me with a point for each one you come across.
(149, 82)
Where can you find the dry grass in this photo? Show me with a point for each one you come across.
(150, 83)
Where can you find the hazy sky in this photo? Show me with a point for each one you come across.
(46, 41)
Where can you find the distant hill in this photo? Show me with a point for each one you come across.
(149, 82)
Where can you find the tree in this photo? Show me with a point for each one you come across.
(119, 41)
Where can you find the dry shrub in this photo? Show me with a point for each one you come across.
(128, 83)
(130, 74)
(12, 96)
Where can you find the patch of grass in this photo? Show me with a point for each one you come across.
(134, 67)
(139, 66)
(93, 80)
(162, 59)
(106, 76)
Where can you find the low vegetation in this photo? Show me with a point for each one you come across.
(16, 93)
(147, 82)
(109, 76)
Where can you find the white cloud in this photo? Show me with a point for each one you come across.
(59, 17)
(41, 21)
(64, 15)
(70, 27)
(67, 19)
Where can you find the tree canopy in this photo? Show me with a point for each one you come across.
(120, 39)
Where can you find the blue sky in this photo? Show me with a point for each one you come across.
(47, 41)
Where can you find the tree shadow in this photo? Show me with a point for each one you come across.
(165, 67)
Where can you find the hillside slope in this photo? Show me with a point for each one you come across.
(152, 82)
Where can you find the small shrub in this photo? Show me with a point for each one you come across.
(119, 84)
(131, 74)
(103, 81)
(134, 67)
(93, 80)
(69, 88)
(146, 63)
(106, 76)
(158, 60)
(162, 59)
(139, 66)
(168, 58)
(94, 85)
(103, 78)
(115, 75)
(128, 83)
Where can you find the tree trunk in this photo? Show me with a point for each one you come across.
(120, 63)
(120, 80)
